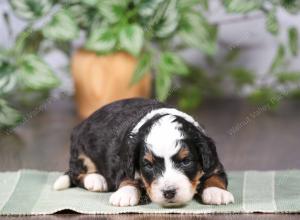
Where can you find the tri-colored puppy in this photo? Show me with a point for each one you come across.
(137, 145)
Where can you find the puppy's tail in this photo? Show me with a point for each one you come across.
(62, 182)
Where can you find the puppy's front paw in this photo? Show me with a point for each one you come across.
(125, 196)
(95, 182)
(216, 196)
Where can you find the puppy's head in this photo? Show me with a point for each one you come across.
(173, 157)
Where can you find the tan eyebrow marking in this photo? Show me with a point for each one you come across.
(183, 153)
(149, 156)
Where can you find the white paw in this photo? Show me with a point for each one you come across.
(95, 182)
(216, 196)
(62, 182)
(125, 196)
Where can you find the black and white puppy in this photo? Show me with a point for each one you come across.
(137, 145)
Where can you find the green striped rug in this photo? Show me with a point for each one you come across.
(29, 192)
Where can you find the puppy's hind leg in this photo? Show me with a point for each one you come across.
(94, 182)
(90, 179)
(82, 173)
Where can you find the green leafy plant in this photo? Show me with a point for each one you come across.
(155, 31)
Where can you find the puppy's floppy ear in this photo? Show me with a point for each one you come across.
(208, 153)
(128, 157)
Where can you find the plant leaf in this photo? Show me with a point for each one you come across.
(294, 94)
(242, 77)
(285, 77)
(32, 42)
(31, 9)
(172, 63)
(272, 22)
(131, 39)
(83, 15)
(242, 6)
(7, 82)
(142, 68)
(8, 79)
(168, 22)
(279, 58)
(187, 4)
(232, 54)
(197, 32)
(163, 83)
(9, 117)
(292, 6)
(293, 40)
(204, 4)
(266, 97)
(61, 27)
(35, 74)
(146, 8)
(190, 98)
(101, 40)
(91, 3)
(112, 10)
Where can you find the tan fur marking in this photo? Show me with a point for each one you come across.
(196, 180)
(88, 163)
(183, 153)
(128, 182)
(214, 181)
(80, 177)
(148, 156)
(147, 186)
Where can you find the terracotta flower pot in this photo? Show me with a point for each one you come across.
(102, 79)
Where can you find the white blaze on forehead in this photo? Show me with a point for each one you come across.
(162, 111)
(163, 137)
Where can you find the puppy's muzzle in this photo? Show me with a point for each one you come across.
(169, 193)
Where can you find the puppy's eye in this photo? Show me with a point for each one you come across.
(148, 165)
(186, 162)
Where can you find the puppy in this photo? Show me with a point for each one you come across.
(137, 145)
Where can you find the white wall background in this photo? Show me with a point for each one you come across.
(260, 46)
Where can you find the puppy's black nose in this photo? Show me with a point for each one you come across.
(169, 193)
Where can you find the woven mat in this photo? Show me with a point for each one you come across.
(29, 192)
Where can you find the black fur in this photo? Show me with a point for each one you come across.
(104, 137)
(204, 150)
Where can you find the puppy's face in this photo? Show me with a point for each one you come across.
(169, 164)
